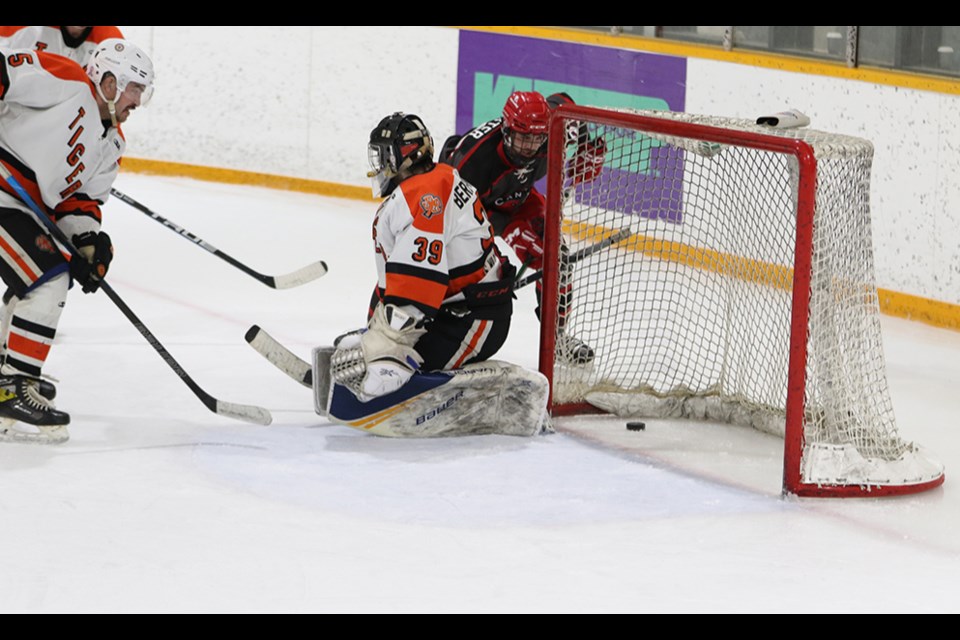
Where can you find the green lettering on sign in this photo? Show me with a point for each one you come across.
(490, 92)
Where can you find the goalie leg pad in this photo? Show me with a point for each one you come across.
(491, 397)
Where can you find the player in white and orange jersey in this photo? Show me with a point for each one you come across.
(76, 43)
(61, 143)
(443, 304)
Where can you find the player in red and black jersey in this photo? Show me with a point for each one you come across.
(504, 158)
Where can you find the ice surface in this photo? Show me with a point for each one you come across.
(157, 504)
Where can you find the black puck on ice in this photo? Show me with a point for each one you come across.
(636, 426)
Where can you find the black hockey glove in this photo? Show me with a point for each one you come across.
(90, 266)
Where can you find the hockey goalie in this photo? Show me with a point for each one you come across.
(441, 309)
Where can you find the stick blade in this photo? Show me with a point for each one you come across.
(307, 274)
(244, 412)
(279, 356)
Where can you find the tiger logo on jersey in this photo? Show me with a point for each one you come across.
(43, 243)
(430, 205)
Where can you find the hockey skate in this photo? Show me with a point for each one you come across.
(573, 351)
(26, 415)
(46, 388)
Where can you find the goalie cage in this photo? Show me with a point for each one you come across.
(745, 293)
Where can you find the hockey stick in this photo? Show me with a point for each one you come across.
(248, 413)
(578, 255)
(295, 279)
(279, 356)
(301, 371)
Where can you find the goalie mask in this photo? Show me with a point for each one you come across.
(127, 63)
(526, 119)
(398, 144)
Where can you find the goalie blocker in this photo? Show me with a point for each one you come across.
(485, 398)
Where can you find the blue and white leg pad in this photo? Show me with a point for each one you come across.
(491, 397)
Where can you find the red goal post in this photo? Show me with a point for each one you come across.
(744, 291)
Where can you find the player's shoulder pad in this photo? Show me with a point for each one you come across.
(426, 195)
(101, 33)
(62, 67)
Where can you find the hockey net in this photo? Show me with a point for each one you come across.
(743, 291)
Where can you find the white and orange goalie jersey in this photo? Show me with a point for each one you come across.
(70, 174)
(432, 239)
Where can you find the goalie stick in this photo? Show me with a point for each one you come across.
(301, 371)
(247, 413)
(578, 255)
(294, 279)
(279, 356)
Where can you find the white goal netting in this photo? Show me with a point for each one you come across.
(694, 314)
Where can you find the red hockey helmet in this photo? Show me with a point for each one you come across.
(526, 118)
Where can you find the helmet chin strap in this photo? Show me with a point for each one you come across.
(111, 105)
(112, 108)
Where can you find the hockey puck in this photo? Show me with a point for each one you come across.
(636, 426)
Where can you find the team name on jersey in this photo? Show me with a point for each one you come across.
(74, 154)
(509, 198)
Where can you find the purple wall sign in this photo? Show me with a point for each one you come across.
(491, 66)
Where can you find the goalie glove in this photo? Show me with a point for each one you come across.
(381, 359)
(525, 237)
(587, 161)
(95, 252)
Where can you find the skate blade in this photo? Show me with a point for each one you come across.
(13, 431)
